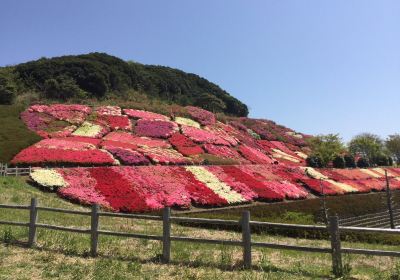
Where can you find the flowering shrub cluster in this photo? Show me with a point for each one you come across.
(139, 114)
(155, 128)
(75, 114)
(164, 156)
(115, 122)
(186, 121)
(254, 155)
(184, 145)
(203, 136)
(108, 111)
(88, 129)
(204, 117)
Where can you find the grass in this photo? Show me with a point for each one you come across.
(14, 135)
(60, 255)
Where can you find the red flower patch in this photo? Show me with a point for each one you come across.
(255, 155)
(202, 116)
(155, 128)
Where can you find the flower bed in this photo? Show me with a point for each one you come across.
(164, 156)
(75, 114)
(186, 121)
(63, 144)
(155, 128)
(223, 151)
(115, 122)
(202, 136)
(218, 187)
(204, 117)
(184, 145)
(108, 111)
(128, 156)
(140, 114)
(92, 130)
(43, 156)
(254, 155)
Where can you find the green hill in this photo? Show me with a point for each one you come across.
(99, 76)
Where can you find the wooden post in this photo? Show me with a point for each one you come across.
(33, 216)
(389, 201)
(16, 171)
(337, 266)
(246, 239)
(94, 227)
(324, 209)
(166, 257)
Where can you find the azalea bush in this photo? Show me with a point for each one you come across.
(140, 114)
(155, 128)
(204, 117)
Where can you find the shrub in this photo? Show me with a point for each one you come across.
(381, 160)
(7, 95)
(314, 161)
(349, 161)
(339, 162)
(363, 163)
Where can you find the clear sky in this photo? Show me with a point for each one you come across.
(314, 66)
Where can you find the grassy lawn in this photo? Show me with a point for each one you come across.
(14, 135)
(62, 255)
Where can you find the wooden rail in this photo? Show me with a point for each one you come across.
(14, 171)
(166, 238)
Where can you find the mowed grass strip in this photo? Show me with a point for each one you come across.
(62, 255)
(14, 135)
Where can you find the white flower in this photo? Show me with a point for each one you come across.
(186, 121)
(48, 178)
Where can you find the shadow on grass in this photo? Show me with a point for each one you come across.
(237, 266)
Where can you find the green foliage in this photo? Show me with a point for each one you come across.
(14, 135)
(367, 145)
(97, 75)
(392, 144)
(339, 162)
(363, 163)
(326, 147)
(349, 161)
(314, 161)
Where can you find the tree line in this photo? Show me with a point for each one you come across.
(97, 75)
(363, 150)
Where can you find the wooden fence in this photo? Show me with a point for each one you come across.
(14, 171)
(336, 250)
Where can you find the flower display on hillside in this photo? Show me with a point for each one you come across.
(155, 128)
(63, 144)
(224, 152)
(74, 114)
(184, 145)
(92, 130)
(204, 117)
(128, 156)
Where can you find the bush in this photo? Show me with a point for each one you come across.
(62, 88)
(7, 95)
(338, 162)
(363, 163)
(349, 161)
(314, 161)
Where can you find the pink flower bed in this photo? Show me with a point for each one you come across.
(202, 116)
(155, 128)
(139, 141)
(128, 157)
(43, 156)
(223, 151)
(75, 114)
(255, 155)
(109, 110)
(62, 144)
(115, 122)
(202, 136)
(164, 156)
(184, 145)
(139, 114)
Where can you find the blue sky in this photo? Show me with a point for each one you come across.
(314, 66)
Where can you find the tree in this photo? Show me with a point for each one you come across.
(363, 163)
(210, 102)
(314, 161)
(367, 145)
(326, 147)
(392, 144)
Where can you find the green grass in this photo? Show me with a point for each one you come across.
(61, 255)
(14, 135)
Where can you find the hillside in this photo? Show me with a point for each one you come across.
(134, 160)
(100, 76)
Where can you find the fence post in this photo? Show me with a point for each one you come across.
(94, 227)
(166, 239)
(33, 216)
(337, 266)
(246, 239)
(389, 201)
